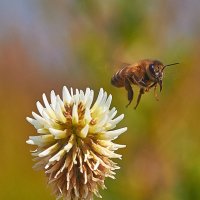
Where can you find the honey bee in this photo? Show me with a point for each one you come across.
(146, 74)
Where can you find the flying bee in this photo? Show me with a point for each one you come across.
(146, 74)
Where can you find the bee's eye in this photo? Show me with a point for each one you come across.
(151, 69)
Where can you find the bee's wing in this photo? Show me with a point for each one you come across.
(120, 65)
(137, 70)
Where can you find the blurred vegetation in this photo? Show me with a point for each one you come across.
(47, 44)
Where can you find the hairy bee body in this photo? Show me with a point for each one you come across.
(145, 74)
(133, 72)
(118, 80)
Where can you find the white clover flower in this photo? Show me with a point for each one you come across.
(74, 142)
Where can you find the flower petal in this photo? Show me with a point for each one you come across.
(58, 134)
(49, 150)
(34, 122)
(84, 131)
(57, 156)
(99, 99)
(66, 95)
(48, 107)
(75, 114)
(104, 151)
(70, 143)
(53, 99)
(59, 113)
(111, 135)
(40, 140)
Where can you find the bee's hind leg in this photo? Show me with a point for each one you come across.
(129, 90)
(139, 97)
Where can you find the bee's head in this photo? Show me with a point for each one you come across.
(156, 69)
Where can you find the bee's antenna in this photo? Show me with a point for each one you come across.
(170, 65)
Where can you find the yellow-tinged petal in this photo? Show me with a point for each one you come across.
(40, 140)
(58, 134)
(49, 151)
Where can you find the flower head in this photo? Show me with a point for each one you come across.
(74, 145)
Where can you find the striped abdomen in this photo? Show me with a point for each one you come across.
(118, 79)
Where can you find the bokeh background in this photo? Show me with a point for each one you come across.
(47, 44)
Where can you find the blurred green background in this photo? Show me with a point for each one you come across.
(47, 44)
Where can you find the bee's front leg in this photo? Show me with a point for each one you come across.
(129, 90)
(155, 93)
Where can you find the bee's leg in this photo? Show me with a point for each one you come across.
(139, 82)
(155, 83)
(139, 97)
(160, 84)
(155, 87)
(155, 93)
(129, 90)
